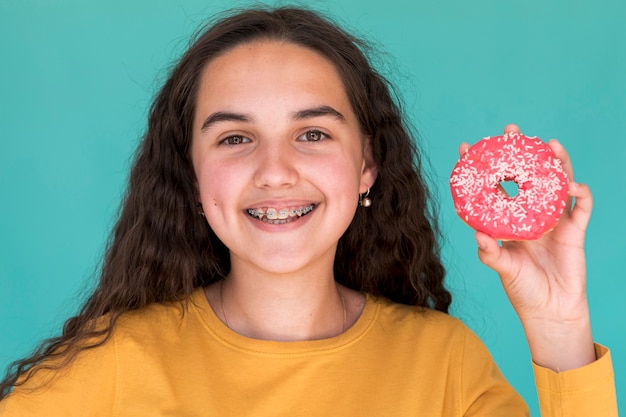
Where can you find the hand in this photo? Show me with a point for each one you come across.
(545, 279)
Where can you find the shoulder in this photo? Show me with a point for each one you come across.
(165, 314)
(415, 318)
(158, 324)
(425, 331)
(434, 345)
(57, 388)
(57, 385)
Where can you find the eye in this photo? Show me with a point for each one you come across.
(234, 140)
(312, 136)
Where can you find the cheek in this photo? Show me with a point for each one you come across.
(214, 184)
(342, 172)
(339, 180)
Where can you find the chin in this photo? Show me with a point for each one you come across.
(286, 263)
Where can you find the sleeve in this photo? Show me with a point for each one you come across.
(483, 389)
(84, 388)
(581, 392)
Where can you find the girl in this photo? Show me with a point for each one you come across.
(276, 255)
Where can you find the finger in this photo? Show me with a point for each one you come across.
(566, 163)
(563, 156)
(463, 147)
(502, 190)
(581, 213)
(491, 254)
(511, 128)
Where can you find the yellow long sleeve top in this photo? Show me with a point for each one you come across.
(395, 361)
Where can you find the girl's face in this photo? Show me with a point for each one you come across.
(278, 155)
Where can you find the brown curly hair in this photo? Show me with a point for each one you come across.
(161, 249)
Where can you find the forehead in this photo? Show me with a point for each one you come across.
(271, 69)
(259, 53)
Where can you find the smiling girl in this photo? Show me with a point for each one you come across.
(275, 255)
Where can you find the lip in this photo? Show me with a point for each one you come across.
(294, 223)
(277, 204)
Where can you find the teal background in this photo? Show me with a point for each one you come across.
(77, 77)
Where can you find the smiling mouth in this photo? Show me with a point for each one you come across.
(280, 216)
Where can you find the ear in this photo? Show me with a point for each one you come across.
(369, 172)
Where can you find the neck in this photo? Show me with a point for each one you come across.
(282, 308)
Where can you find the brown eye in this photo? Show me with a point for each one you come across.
(312, 136)
(235, 140)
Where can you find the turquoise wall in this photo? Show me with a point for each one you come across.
(76, 78)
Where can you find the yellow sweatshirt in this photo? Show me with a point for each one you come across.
(395, 361)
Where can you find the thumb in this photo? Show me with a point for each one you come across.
(490, 253)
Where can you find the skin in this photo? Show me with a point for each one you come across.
(281, 285)
(545, 279)
(274, 128)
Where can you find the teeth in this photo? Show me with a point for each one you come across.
(271, 213)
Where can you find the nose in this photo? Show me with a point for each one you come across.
(276, 166)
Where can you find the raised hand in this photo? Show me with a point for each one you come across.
(545, 279)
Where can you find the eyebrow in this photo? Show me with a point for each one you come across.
(313, 112)
(318, 112)
(221, 116)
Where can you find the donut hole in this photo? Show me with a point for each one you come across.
(509, 188)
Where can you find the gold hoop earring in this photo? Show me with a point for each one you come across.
(364, 200)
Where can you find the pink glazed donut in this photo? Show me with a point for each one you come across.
(527, 161)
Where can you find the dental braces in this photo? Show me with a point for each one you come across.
(273, 214)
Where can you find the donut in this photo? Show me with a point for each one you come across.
(527, 161)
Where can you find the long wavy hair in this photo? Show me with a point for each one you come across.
(161, 249)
